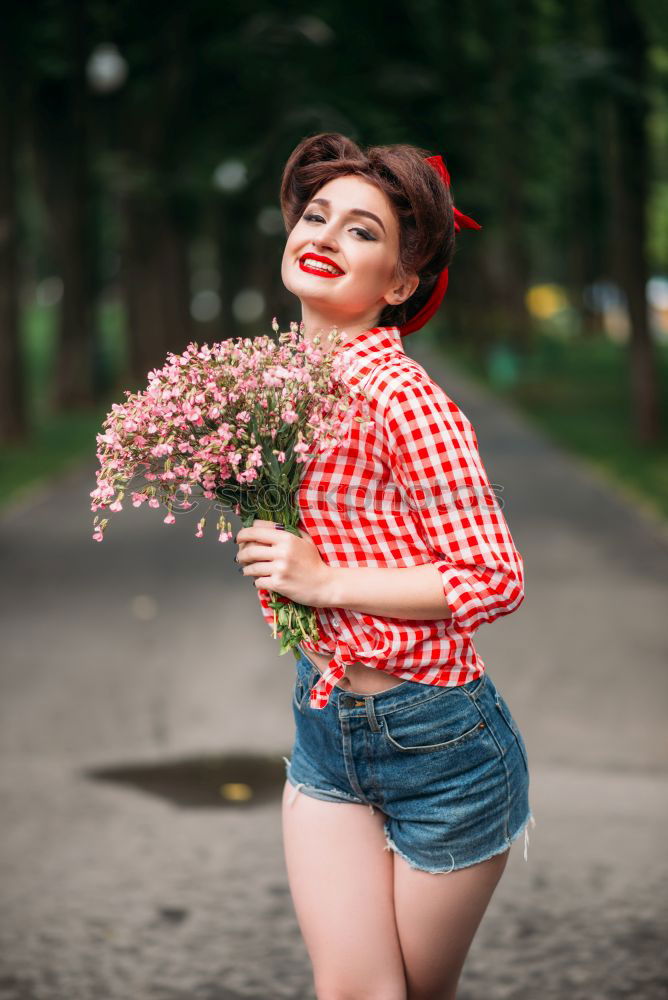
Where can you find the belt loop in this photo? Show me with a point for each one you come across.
(371, 715)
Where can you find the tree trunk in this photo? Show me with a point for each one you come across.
(13, 415)
(586, 210)
(61, 158)
(509, 252)
(630, 187)
(156, 284)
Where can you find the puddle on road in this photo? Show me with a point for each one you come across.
(230, 781)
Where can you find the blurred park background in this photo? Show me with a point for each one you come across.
(141, 150)
(145, 712)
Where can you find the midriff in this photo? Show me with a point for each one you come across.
(358, 679)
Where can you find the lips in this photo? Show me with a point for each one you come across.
(304, 265)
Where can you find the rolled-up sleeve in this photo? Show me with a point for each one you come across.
(433, 455)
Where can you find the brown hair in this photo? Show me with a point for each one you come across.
(422, 202)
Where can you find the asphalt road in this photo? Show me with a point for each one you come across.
(138, 678)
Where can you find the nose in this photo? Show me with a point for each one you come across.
(324, 239)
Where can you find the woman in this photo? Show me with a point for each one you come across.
(409, 778)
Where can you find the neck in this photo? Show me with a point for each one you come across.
(317, 323)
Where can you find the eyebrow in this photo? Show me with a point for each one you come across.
(352, 211)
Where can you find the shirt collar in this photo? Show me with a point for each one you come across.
(370, 341)
(368, 345)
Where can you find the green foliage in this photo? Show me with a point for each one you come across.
(516, 97)
(57, 440)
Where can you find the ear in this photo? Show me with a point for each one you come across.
(402, 291)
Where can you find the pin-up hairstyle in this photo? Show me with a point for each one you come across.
(422, 202)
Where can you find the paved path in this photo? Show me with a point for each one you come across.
(138, 676)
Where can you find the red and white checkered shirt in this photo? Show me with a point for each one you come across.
(406, 490)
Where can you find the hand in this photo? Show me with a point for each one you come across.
(284, 563)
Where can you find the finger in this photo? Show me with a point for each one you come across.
(268, 535)
(259, 523)
(254, 550)
(257, 568)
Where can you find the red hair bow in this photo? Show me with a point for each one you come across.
(436, 297)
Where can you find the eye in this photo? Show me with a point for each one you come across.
(311, 217)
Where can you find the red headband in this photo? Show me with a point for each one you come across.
(436, 297)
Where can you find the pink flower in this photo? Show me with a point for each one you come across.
(210, 417)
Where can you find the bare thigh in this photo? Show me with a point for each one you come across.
(437, 916)
(341, 881)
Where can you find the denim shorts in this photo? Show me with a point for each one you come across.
(446, 765)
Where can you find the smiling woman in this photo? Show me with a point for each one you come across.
(344, 273)
(383, 216)
(428, 746)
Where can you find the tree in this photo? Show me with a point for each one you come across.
(630, 172)
(13, 416)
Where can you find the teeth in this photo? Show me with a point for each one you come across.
(318, 265)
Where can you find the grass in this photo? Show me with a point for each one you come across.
(56, 441)
(578, 391)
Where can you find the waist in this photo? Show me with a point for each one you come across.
(358, 678)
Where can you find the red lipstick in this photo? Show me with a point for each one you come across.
(303, 263)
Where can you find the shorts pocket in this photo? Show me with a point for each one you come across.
(506, 715)
(445, 722)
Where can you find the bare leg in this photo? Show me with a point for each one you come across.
(341, 881)
(437, 916)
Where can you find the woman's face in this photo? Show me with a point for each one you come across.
(352, 224)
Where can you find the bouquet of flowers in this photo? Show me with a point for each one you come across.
(233, 423)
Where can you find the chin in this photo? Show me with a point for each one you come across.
(304, 291)
(298, 285)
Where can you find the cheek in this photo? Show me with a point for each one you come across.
(288, 256)
(293, 244)
(373, 272)
(288, 251)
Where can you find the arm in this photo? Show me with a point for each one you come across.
(413, 592)
(433, 453)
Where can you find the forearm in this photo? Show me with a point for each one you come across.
(413, 593)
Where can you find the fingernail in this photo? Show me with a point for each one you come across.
(281, 527)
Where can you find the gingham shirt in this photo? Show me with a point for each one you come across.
(406, 490)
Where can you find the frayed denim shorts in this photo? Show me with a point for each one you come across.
(447, 766)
